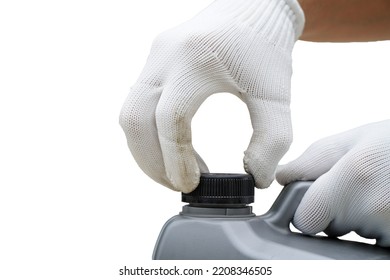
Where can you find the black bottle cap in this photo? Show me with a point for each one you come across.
(222, 189)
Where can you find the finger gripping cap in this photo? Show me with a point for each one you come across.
(222, 189)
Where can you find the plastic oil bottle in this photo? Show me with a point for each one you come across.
(218, 223)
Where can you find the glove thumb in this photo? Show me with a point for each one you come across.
(271, 138)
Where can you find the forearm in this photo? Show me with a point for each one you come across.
(346, 20)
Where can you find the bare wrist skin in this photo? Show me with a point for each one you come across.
(346, 20)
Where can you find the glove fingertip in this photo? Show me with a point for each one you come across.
(314, 213)
(185, 183)
(263, 178)
(282, 175)
(296, 170)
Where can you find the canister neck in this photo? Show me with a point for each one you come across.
(221, 195)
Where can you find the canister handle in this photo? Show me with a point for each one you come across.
(282, 211)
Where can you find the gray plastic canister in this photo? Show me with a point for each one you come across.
(227, 229)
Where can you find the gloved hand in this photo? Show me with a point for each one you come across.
(351, 191)
(237, 46)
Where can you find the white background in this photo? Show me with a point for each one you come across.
(73, 203)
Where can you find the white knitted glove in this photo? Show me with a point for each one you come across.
(237, 46)
(351, 191)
